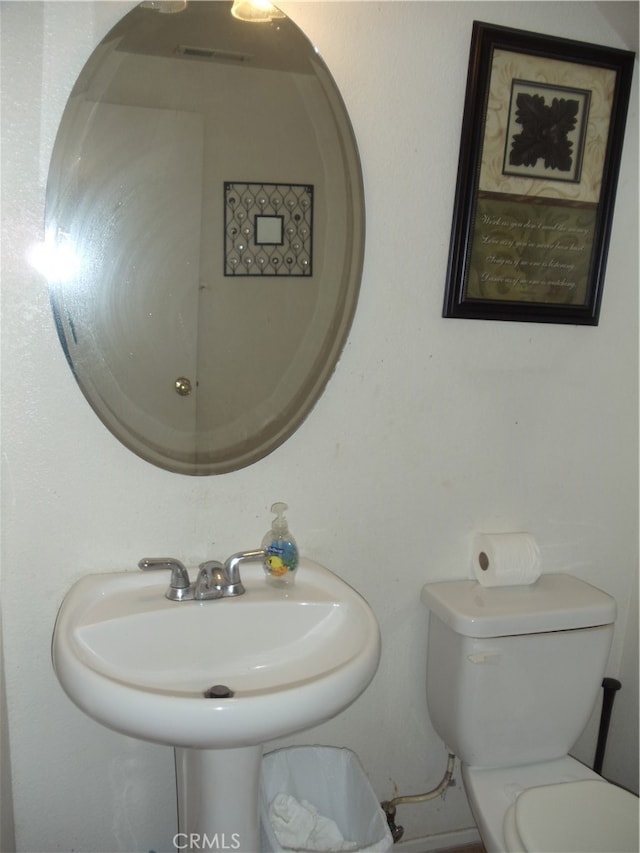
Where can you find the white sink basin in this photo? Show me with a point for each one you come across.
(140, 664)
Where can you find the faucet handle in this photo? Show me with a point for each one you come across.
(232, 568)
(180, 588)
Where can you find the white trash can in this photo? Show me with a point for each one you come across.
(298, 781)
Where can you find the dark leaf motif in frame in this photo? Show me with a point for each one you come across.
(544, 134)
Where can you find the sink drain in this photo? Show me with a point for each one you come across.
(218, 691)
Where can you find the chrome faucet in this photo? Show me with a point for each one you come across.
(222, 580)
(180, 588)
(211, 581)
(215, 579)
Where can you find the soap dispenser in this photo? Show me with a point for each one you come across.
(281, 559)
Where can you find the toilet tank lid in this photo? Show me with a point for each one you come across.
(552, 603)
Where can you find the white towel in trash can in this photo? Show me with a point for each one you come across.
(332, 779)
(300, 826)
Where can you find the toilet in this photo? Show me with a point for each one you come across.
(513, 674)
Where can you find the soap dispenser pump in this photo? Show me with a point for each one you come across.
(281, 560)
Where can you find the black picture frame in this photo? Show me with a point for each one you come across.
(540, 151)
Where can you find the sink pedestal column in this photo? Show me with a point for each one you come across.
(218, 798)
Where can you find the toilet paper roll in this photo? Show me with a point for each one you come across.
(505, 559)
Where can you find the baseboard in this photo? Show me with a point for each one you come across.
(441, 841)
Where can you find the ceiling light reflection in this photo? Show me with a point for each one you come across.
(255, 11)
(56, 259)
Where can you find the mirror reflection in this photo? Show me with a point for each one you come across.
(205, 232)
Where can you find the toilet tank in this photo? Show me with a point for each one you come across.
(513, 672)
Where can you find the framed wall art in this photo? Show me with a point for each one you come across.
(268, 229)
(542, 137)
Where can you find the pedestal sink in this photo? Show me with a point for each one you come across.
(289, 657)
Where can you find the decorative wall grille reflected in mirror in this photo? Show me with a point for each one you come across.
(268, 229)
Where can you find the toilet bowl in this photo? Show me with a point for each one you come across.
(558, 806)
(590, 816)
(513, 674)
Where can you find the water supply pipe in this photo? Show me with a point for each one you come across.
(610, 687)
(389, 806)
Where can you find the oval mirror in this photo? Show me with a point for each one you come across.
(204, 232)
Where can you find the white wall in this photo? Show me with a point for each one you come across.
(7, 838)
(429, 430)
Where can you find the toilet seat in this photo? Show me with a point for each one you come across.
(586, 816)
(491, 791)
